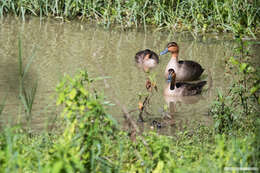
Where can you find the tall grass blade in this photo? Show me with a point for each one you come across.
(27, 96)
(20, 61)
(2, 105)
(196, 16)
(28, 64)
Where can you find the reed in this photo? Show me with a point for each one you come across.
(2, 105)
(26, 95)
(195, 16)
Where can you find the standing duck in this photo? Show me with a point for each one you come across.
(185, 70)
(181, 88)
(146, 59)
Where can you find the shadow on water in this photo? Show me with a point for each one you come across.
(68, 47)
(10, 78)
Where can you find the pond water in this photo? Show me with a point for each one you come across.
(68, 47)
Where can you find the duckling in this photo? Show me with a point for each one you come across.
(146, 59)
(185, 70)
(180, 88)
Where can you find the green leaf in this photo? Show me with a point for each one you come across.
(233, 61)
(220, 95)
(73, 93)
(159, 167)
(28, 64)
(100, 78)
(254, 89)
(57, 166)
(243, 67)
(2, 105)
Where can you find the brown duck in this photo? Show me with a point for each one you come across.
(181, 88)
(146, 59)
(185, 70)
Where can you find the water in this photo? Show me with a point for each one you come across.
(68, 47)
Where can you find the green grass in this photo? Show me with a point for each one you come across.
(179, 15)
(26, 94)
(2, 105)
(90, 141)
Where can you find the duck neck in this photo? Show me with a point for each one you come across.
(172, 84)
(175, 57)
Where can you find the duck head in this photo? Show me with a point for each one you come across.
(147, 56)
(172, 47)
(171, 78)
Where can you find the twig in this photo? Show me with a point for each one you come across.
(127, 115)
(142, 108)
(133, 110)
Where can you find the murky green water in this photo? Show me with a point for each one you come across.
(67, 47)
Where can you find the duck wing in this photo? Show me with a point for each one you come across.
(193, 68)
(189, 89)
(139, 56)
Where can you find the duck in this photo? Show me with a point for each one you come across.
(174, 88)
(146, 59)
(193, 99)
(185, 70)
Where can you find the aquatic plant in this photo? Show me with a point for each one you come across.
(86, 120)
(26, 95)
(195, 16)
(90, 141)
(239, 107)
(22, 151)
(93, 142)
(2, 105)
(151, 86)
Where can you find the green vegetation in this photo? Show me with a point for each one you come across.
(89, 139)
(180, 15)
(239, 107)
(26, 95)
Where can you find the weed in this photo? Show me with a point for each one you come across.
(238, 108)
(2, 105)
(26, 95)
(195, 16)
(92, 142)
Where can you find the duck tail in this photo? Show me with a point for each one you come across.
(197, 88)
(201, 84)
(202, 70)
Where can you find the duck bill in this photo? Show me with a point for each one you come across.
(169, 77)
(164, 52)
